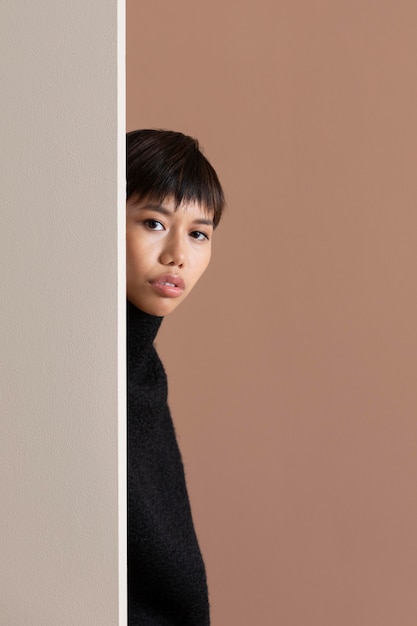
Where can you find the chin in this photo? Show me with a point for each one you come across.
(167, 309)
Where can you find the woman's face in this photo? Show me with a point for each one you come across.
(168, 248)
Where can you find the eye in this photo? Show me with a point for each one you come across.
(153, 224)
(199, 235)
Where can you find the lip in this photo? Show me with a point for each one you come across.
(168, 285)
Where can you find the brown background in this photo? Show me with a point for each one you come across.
(293, 366)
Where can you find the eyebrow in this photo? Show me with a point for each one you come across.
(160, 209)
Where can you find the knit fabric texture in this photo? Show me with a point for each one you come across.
(166, 575)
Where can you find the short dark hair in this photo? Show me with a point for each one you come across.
(164, 163)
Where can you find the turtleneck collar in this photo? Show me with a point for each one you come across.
(141, 327)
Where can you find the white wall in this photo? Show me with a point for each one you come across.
(58, 332)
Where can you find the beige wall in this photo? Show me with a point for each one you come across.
(293, 367)
(58, 332)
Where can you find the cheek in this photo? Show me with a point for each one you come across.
(130, 246)
(137, 252)
(131, 257)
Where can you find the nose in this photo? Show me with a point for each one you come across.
(173, 252)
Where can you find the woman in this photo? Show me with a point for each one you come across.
(174, 203)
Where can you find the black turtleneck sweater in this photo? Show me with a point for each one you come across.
(166, 576)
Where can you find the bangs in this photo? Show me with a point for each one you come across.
(163, 164)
